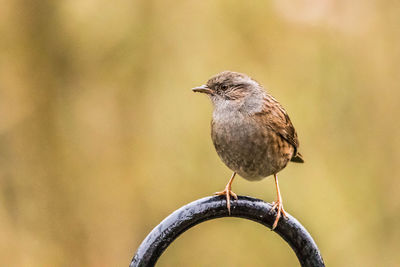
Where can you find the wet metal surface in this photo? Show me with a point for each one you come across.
(215, 207)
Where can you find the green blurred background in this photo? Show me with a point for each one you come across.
(101, 137)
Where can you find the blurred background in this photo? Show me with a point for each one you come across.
(101, 136)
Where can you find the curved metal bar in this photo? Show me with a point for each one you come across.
(215, 207)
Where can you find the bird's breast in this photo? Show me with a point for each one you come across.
(246, 147)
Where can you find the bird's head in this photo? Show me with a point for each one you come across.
(229, 86)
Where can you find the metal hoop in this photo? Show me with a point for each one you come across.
(215, 207)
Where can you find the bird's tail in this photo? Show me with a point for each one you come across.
(298, 158)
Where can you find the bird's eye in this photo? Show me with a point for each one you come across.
(224, 87)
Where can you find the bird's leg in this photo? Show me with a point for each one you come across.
(228, 193)
(278, 204)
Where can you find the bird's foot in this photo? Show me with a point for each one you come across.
(228, 193)
(278, 206)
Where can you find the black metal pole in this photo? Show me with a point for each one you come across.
(215, 207)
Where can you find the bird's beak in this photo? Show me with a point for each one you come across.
(203, 89)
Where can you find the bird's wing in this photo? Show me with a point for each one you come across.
(274, 116)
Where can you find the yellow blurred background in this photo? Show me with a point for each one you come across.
(101, 137)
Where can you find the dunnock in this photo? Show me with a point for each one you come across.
(251, 131)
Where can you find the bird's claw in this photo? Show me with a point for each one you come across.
(228, 193)
(278, 206)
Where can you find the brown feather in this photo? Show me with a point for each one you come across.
(274, 116)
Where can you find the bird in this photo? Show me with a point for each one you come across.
(251, 132)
